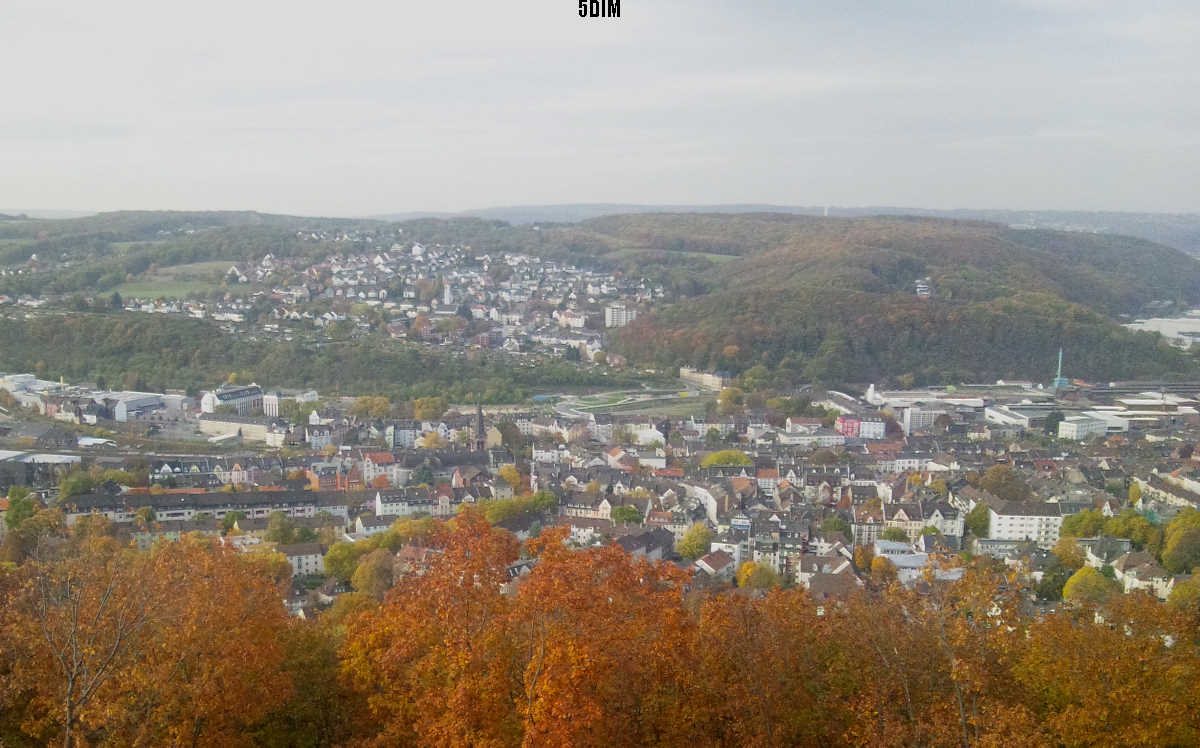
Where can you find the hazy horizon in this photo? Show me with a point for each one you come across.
(370, 108)
(839, 211)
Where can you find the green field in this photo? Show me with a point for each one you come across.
(673, 407)
(177, 281)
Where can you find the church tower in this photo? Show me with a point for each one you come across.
(480, 433)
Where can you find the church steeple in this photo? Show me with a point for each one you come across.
(480, 433)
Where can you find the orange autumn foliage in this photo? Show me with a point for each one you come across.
(179, 645)
(189, 644)
(433, 663)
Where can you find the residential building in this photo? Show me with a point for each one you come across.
(618, 315)
(304, 558)
(402, 434)
(1033, 520)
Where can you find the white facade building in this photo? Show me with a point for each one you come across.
(1081, 428)
(618, 315)
(304, 558)
(1036, 521)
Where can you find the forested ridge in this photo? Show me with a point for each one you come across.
(188, 643)
(835, 301)
(155, 352)
(810, 298)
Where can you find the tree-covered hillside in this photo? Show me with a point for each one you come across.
(834, 300)
(825, 299)
(153, 352)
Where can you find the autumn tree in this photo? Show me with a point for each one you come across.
(1054, 578)
(883, 571)
(727, 457)
(511, 436)
(1086, 524)
(75, 483)
(1005, 483)
(775, 660)
(23, 540)
(1130, 524)
(603, 618)
(823, 457)
(342, 559)
(83, 616)
(1081, 675)
(221, 633)
(1088, 586)
(433, 664)
(730, 399)
(428, 408)
(623, 435)
(863, 556)
(280, 528)
(511, 475)
(319, 711)
(1181, 553)
(695, 541)
(371, 407)
(756, 576)
(373, 575)
(432, 440)
(62, 660)
(1069, 553)
(1181, 545)
(940, 657)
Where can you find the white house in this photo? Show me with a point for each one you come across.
(304, 558)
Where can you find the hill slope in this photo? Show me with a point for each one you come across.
(827, 299)
(1178, 230)
(833, 299)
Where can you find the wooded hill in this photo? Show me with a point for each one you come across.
(834, 299)
(153, 352)
(810, 298)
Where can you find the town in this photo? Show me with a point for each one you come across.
(437, 295)
(819, 489)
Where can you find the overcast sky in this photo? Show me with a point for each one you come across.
(354, 108)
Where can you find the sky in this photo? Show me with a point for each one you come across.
(357, 108)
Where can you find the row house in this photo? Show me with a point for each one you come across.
(119, 508)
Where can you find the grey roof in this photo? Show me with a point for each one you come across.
(301, 549)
